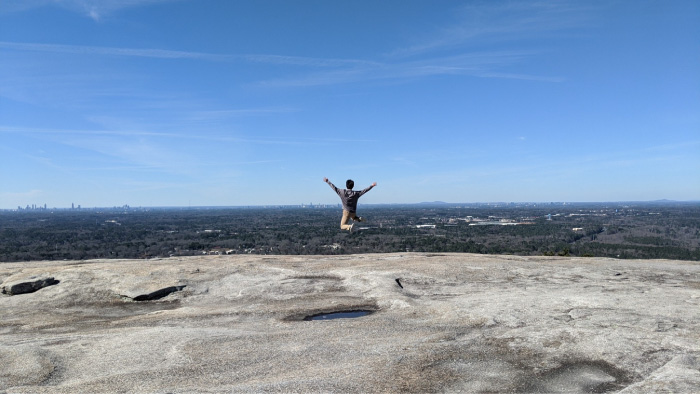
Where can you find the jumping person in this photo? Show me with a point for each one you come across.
(349, 198)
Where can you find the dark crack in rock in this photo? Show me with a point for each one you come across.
(158, 294)
(29, 286)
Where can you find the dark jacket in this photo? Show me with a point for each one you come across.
(349, 197)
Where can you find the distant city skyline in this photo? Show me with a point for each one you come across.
(219, 103)
(45, 207)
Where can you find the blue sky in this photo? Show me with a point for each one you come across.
(217, 102)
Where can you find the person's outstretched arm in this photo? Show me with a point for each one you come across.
(331, 185)
(368, 189)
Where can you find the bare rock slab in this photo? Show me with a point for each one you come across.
(380, 323)
(24, 365)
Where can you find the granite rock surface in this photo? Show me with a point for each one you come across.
(431, 323)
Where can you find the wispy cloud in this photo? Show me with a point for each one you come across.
(239, 112)
(501, 22)
(477, 64)
(524, 77)
(111, 51)
(455, 50)
(21, 196)
(136, 134)
(308, 61)
(141, 152)
(94, 9)
(324, 71)
(282, 60)
(28, 130)
(675, 146)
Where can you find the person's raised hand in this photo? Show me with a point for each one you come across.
(325, 179)
(374, 184)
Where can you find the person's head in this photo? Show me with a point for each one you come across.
(349, 184)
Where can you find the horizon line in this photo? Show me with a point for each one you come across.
(333, 205)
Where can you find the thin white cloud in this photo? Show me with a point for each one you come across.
(235, 113)
(525, 77)
(308, 61)
(194, 136)
(137, 151)
(156, 53)
(674, 146)
(479, 64)
(284, 141)
(123, 133)
(506, 22)
(502, 22)
(94, 9)
(21, 196)
(337, 71)
(8, 6)
(110, 51)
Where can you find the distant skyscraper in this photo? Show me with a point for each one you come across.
(72, 206)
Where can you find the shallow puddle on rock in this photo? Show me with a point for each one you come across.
(338, 315)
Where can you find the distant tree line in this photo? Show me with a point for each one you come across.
(670, 232)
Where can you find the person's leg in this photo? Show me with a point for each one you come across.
(344, 221)
(354, 218)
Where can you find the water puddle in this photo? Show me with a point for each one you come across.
(338, 315)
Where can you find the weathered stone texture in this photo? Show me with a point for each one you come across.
(450, 323)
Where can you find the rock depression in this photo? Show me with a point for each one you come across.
(428, 323)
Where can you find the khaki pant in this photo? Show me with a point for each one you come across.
(347, 215)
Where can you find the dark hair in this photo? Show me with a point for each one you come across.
(349, 184)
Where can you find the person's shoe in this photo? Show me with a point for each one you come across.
(359, 219)
(351, 226)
